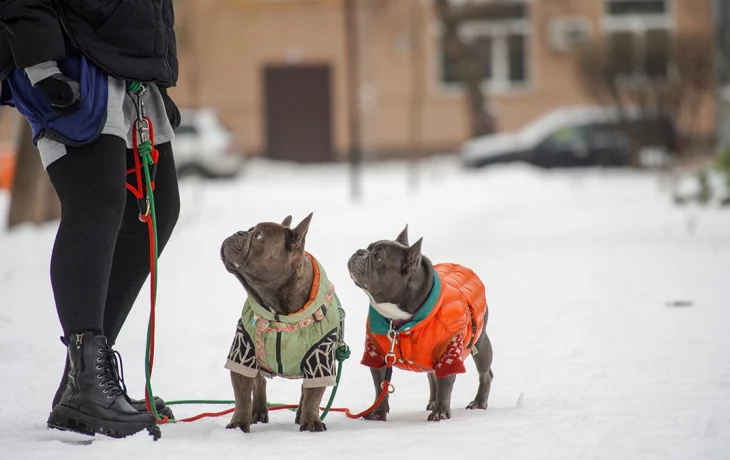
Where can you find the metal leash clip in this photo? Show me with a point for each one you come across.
(143, 129)
(393, 337)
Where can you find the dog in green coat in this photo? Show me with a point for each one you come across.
(291, 323)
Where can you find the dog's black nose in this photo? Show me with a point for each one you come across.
(360, 252)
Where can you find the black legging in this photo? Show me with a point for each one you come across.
(100, 258)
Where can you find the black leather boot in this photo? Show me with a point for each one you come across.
(138, 404)
(94, 400)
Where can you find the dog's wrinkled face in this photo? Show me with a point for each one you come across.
(384, 268)
(266, 251)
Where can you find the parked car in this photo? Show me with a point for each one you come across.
(204, 146)
(574, 137)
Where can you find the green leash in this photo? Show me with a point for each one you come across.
(144, 150)
(342, 354)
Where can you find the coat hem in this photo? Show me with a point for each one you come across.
(241, 369)
(319, 382)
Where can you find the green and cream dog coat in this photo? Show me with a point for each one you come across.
(297, 346)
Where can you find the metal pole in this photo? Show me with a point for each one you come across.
(352, 57)
(417, 91)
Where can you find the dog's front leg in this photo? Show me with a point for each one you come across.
(442, 406)
(242, 388)
(311, 400)
(380, 412)
(431, 391)
(260, 411)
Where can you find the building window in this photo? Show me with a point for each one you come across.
(638, 34)
(502, 39)
(517, 59)
(634, 7)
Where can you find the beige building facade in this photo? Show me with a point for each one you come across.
(276, 70)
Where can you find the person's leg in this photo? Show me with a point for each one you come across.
(89, 182)
(131, 262)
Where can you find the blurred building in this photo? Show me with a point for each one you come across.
(721, 14)
(276, 69)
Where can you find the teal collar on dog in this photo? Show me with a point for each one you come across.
(380, 324)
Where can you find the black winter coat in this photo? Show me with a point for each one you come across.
(128, 39)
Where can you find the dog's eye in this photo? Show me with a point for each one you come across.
(258, 235)
(377, 256)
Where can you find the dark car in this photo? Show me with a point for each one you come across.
(575, 137)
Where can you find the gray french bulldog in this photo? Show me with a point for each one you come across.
(399, 280)
(270, 262)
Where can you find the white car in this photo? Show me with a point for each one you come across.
(203, 146)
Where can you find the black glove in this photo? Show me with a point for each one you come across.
(173, 113)
(62, 92)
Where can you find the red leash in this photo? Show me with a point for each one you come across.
(387, 387)
(146, 206)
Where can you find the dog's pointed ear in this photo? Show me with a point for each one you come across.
(299, 233)
(413, 257)
(286, 222)
(403, 237)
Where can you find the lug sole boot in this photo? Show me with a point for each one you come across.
(94, 400)
(138, 404)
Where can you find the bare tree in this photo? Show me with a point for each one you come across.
(665, 77)
(468, 56)
(32, 197)
(187, 13)
(467, 68)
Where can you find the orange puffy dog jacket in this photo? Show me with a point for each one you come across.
(440, 335)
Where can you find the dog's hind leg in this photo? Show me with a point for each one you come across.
(483, 361)
(298, 416)
(260, 405)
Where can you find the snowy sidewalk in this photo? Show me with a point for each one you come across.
(591, 362)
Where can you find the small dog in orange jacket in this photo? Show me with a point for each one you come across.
(438, 314)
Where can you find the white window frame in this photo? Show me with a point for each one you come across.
(638, 24)
(499, 31)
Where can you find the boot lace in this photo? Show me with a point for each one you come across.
(111, 373)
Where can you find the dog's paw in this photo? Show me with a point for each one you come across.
(378, 415)
(439, 414)
(430, 405)
(240, 424)
(477, 405)
(260, 416)
(313, 427)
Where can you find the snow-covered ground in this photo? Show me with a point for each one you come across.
(593, 360)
